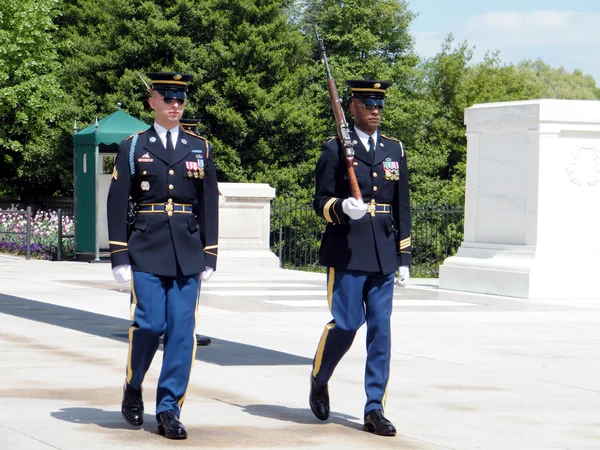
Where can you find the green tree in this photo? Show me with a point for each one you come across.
(252, 87)
(256, 93)
(31, 100)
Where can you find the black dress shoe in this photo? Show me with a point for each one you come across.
(319, 399)
(132, 407)
(169, 425)
(202, 340)
(375, 422)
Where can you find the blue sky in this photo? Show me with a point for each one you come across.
(561, 33)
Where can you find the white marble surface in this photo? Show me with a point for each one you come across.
(244, 224)
(533, 180)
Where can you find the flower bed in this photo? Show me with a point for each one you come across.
(44, 234)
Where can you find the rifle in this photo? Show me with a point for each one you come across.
(340, 121)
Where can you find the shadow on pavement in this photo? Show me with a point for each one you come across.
(220, 352)
(105, 419)
(303, 416)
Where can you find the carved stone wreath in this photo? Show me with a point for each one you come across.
(583, 165)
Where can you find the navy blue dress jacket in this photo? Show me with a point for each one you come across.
(182, 243)
(379, 242)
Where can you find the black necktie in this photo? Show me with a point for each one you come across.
(170, 148)
(372, 148)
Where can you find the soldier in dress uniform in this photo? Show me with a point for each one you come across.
(365, 242)
(167, 251)
(192, 125)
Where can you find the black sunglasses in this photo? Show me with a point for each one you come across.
(371, 107)
(169, 100)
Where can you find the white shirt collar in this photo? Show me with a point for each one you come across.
(162, 134)
(364, 137)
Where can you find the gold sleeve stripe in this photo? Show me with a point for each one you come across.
(326, 214)
(408, 253)
(404, 243)
(211, 253)
(117, 251)
(333, 209)
(118, 243)
(210, 246)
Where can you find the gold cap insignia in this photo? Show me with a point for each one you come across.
(376, 85)
(177, 77)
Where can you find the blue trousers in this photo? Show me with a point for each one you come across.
(163, 306)
(355, 298)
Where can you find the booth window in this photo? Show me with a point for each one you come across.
(108, 163)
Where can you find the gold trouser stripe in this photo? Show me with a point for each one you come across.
(131, 330)
(384, 399)
(118, 243)
(330, 280)
(210, 246)
(117, 251)
(319, 355)
(182, 399)
(329, 326)
(326, 214)
(210, 253)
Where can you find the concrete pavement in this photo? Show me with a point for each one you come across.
(468, 371)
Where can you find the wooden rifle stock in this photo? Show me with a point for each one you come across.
(343, 131)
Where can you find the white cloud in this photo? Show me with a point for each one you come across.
(428, 44)
(560, 38)
(535, 28)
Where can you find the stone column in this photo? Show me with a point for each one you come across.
(532, 207)
(244, 227)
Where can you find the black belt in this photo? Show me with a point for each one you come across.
(167, 208)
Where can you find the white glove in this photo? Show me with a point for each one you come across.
(403, 276)
(122, 273)
(208, 271)
(222, 200)
(353, 208)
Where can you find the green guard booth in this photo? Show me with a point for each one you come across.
(95, 149)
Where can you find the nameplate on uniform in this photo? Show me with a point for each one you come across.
(145, 158)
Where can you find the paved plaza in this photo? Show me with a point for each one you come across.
(468, 371)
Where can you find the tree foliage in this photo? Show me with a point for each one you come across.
(31, 98)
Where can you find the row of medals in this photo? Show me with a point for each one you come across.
(196, 173)
(391, 174)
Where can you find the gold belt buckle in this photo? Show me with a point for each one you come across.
(169, 208)
(371, 208)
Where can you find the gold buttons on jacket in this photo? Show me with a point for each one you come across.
(171, 172)
(144, 173)
(171, 186)
(374, 188)
(374, 174)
